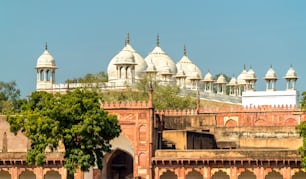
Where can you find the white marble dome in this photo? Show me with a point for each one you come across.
(232, 82)
(242, 76)
(291, 74)
(221, 80)
(191, 70)
(45, 60)
(127, 55)
(270, 75)
(160, 60)
(251, 74)
(208, 77)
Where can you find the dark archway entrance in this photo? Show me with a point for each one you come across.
(120, 165)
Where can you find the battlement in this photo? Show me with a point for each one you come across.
(262, 108)
(177, 112)
(126, 105)
(224, 109)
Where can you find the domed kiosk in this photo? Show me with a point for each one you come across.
(192, 73)
(126, 67)
(165, 67)
(45, 70)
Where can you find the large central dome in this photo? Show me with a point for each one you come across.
(161, 61)
(126, 55)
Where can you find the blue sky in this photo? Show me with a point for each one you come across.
(220, 35)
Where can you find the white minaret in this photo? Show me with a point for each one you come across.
(45, 70)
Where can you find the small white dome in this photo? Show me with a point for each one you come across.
(251, 75)
(191, 70)
(241, 77)
(270, 75)
(45, 60)
(221, 80)
(232, 82)
(291, 74)
(208, 77)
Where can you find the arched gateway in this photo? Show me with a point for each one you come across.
(120, 165)
(131, 150)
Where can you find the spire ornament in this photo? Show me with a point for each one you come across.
(185, 51)
(128, 38)
(46, 46)
(157, 41)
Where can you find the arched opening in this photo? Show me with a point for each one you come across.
(41, 75)
(168, 175)
(194, 175)
(231, 123)
(299, 175)
(27, 175)
(47, 75)
(220, 175)
(291, 122)
(274, 175)
(52, 175)
(120, 165)
(4, 175)
(247, 175)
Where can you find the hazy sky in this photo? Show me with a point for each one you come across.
(220, 35)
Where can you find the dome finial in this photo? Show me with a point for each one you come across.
(128, 38)
(46, 46)
(244, 67)
(157, 40)
(185, 51)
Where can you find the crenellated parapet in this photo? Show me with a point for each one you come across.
(177, 112)
(126, 105)
(262, 108)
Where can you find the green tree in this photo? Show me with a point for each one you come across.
(302, 130)
(100, 77)
(75, 119)
(9, 97)
(166, 96)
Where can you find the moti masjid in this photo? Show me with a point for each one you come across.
(237, 133)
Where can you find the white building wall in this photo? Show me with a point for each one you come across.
(273, 98)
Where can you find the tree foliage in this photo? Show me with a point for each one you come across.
(164, 96)
(100, 77)
(302, 130)
(75, 119)
(9, 97)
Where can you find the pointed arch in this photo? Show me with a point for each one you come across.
(299, 175)
(291, 122)
(120, 165)
(168, 175)
(194, 175)
(220, 175)
(231, 123)
(52, 175)
(274, 175)
(27, 175)
(247, 175)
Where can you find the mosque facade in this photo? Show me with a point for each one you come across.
(252, 135)
(127, 67)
